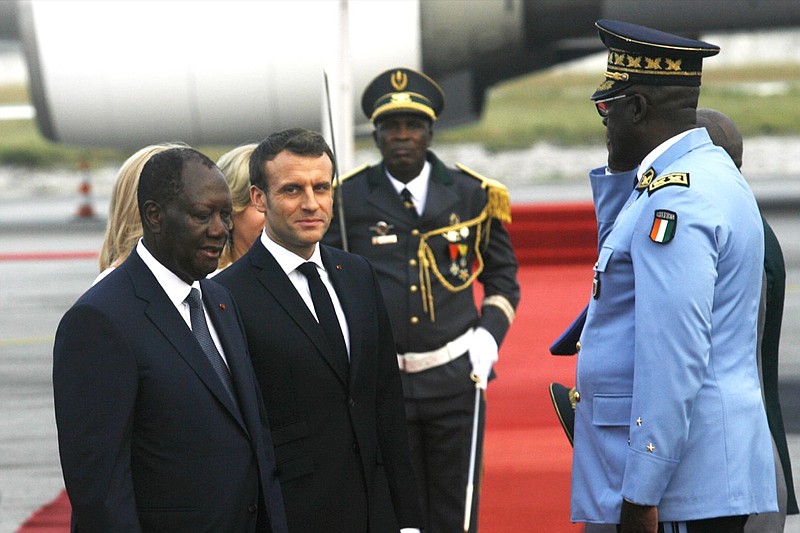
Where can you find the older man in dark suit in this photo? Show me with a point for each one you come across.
(161, 426)
(323, 352)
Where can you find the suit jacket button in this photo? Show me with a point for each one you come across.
(351, 402)
(253, 508)
(355, 449)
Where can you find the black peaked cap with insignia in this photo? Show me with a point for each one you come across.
(402, 90)
(643, 56)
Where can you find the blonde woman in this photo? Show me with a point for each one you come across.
(247, 221)
(124, 227)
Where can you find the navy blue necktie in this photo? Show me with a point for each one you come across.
(326, 316)
(203, 335)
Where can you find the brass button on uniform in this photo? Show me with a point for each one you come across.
(578, 346)
(414, 288)
(574, 397)
(414, 320)
(412, 262)
(414, 232)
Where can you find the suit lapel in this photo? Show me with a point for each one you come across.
(441, 198)
(166, 318)
(384, 198)
(272, 277)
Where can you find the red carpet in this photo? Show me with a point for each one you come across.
(527, 456)
(527, 461)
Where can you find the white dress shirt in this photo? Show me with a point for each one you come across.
(289, 261)
(177, 290)
(417, 187)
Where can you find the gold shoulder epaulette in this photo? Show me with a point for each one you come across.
(676, 178)
(350, 174)
(499, 204)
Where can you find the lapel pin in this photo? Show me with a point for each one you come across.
(338, 267)
(222, 306)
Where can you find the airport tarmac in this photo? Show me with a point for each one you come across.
(46, 262)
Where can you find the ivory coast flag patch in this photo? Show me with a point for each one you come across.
(664, 224)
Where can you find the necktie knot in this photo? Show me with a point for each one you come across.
(408, 201)
(309, 270)
(194, 300)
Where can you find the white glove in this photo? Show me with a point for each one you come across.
(482, 355)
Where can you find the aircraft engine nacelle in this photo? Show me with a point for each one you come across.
(125, 73)
(128, 73)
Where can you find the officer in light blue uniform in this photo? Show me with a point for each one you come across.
(670, 429)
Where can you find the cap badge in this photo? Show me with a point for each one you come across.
(399, 80)
(401, 98)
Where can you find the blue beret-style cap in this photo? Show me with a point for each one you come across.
(638, 55)
(402, 90)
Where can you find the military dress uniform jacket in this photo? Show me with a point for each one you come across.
(610, 191)
(430, 307)
(670, 411)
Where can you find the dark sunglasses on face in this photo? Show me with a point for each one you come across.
(602, 105)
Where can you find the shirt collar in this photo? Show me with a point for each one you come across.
(650, 158)
(177, 290)
(287, 260)
(417, 186)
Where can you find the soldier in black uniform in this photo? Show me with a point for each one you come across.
(430, 231)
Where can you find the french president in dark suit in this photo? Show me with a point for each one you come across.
(330, 379)
(155, 431)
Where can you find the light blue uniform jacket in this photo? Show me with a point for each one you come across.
(670, 411)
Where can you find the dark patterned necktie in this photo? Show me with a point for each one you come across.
(326, 316)
(203, 335)
(408, 203)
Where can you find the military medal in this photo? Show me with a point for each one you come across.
(382, 236)
(596, 284)
(457, 251)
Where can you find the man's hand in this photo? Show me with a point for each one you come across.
(638, 518)
(482, 355)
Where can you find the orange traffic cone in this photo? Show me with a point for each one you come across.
(85, 189)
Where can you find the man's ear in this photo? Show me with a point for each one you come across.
(258, 198)
(153, 216)
(640, 107)
(375, 137)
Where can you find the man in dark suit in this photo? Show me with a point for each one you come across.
(323, 352)
(161, 426)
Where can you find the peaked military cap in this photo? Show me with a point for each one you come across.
(402, 90)
(643, 56)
